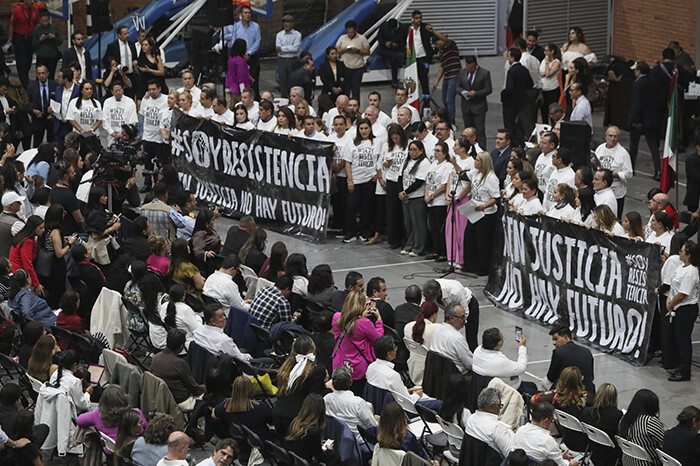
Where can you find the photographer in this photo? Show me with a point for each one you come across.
(101, 224)
(115, 72)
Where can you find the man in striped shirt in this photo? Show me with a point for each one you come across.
(449, 70)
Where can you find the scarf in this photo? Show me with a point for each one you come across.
(298, 369)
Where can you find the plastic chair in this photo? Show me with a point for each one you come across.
(279, 455)
(571, 432)
(455, 434)
(667, 459)
(298, 460)
(107, 442)
(415, 347)
(598, 436)
(632, 450)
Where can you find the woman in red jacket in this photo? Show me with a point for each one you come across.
(23, 250)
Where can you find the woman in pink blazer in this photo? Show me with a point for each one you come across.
(238, 73)
(355, 329)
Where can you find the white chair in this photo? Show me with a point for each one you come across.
(387, 456)
(251, 280)
(415, 347)
(405, 403)
(262, 283)
(667, 459)
(36, 384)
(107, 442)
(455, 435)
(569, 422)
(632, 450)
(598, 436)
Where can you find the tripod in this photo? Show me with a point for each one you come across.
(453, 221)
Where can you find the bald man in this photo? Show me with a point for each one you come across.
(341, 103)
(403, 118)
(178, 443)
(379, 131)
(470, 134)
(657, 203)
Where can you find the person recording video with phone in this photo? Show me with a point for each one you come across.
(490, 361)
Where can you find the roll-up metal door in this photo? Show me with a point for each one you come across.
(553, 18)
(472, 24)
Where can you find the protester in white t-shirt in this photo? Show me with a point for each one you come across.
(564, 207)
(528, 203)
(662, 227)
(240, 116)
(478, 236)
(286, 122)
(117, 111)
(394, 153)
(361, 167)
(415, 212)
(84, 112)
(435, 186)
(340, 138)
(166, 116)
(562, 173)
(222, 114)
(606, 221)
(248, 99)
(151, 107)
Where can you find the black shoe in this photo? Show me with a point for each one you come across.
(675, 370)
(395, 246)
(678, 377)
(441, 259)
(657, 175)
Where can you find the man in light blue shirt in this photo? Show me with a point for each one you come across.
(287, 44)
(250, 32)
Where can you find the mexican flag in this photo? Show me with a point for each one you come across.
(673, 130)
(410, 73)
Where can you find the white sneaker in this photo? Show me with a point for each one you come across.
(404, 252)
(412, 254)
(349, 239)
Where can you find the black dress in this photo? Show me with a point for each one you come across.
(143, 78)
(55, 284)
(309, 448)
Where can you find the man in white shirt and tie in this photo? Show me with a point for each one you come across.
(124, 51)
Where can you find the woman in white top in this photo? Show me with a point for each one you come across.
(415, 212)
(632, 223)
(360, 157)
(285, 122)
(478, 236)
(576, 47)
(584, 208)
(550, 68)
(68, 364)
(166, 115)
(435, 187)
(394, 153)
(564, 203)
(514, 166)
(84, 112)
(606, 221)
(683, 300)
(295, 267)
(241, 115)
(456, 195)
(662, 225)
(184, 100)
(421, 331)
(528, 203)
(177, 314)
(666, 324)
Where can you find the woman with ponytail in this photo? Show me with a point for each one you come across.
(64, 377)
(176, 314)
(421, 331)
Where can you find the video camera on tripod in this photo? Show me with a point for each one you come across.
(118, 154)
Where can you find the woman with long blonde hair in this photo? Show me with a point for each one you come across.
(605, 415)
(478, 236)
(242, 408)
(298, 377)
(355, 334)
(305, 433)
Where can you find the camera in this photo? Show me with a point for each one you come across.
(125, 69)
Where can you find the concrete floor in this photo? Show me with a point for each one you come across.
(400, 271)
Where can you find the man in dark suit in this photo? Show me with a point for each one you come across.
(124, 51)
(40, 93)
(567, 353)
(535, 49)
(474, 85)
(237, 235)
(78, 54)
(391, 44)
(424, 50)
(407, 312)
(501, 155)
(514, 95)
(66, 90)
(643, 117)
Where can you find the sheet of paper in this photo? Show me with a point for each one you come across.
(56, 107)
(469, 210)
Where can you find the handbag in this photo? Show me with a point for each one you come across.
(43, 262)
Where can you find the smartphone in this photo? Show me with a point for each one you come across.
(579, 457)
(518, 333)
(327, 444)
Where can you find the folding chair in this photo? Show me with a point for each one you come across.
(570, 428)
(298, 460)
(455, 434)
(279, 456)
(437, 439)
(107, 442)
(632, 450)
(600, 440)
(13, 372)
(415, 347)
(139, 339)
(248, 369)
(667, 459)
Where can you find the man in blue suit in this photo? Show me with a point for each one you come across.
(78, 54)
(40, 93)
(66, 91)
(501, 155)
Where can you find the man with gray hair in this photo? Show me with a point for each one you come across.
(296, 95)
(484, 424)
(449, 342)
(407, 312)
(342, 403)
(178, 443)
(379, 131)
(490, 361)
(444, 291)
(534, 437)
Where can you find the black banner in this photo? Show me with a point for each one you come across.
(282, 182)
(602, 286)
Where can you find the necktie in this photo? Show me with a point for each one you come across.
(471, 79)
(44, 97)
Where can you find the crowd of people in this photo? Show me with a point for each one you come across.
(418, 185)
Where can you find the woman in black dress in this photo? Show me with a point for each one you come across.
(150, 66)
(305, 437)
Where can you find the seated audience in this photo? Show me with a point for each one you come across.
(353, 282)
(225, 453)
(237, 235)
(407, 312)
(64, 377)
(343, 404)
(176, 372)
(324, 339)
(484, 424)
(305, 433)
(211, 336)
(25, 300)
(569, 395)
(393, 432)
(10, 408)
(376, 291)
(273, 268)
(641, 424)
(683, 441)
(271, 304)
(41, 365)
(489, 360)
(130, 428)
(242, 408)
(31, 334)
(157, 260)
(453, 407)
(535, 439)
(449, 342)
(252, 253)
(105, 418)
(176, 314)
(604, 415)
(182, 270)
(68, 318)
(220, 285)
(153, 446)
(421, 331)
(295, 268)
(178, 444)
(321, 286)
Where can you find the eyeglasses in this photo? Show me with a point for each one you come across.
(462, 317)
